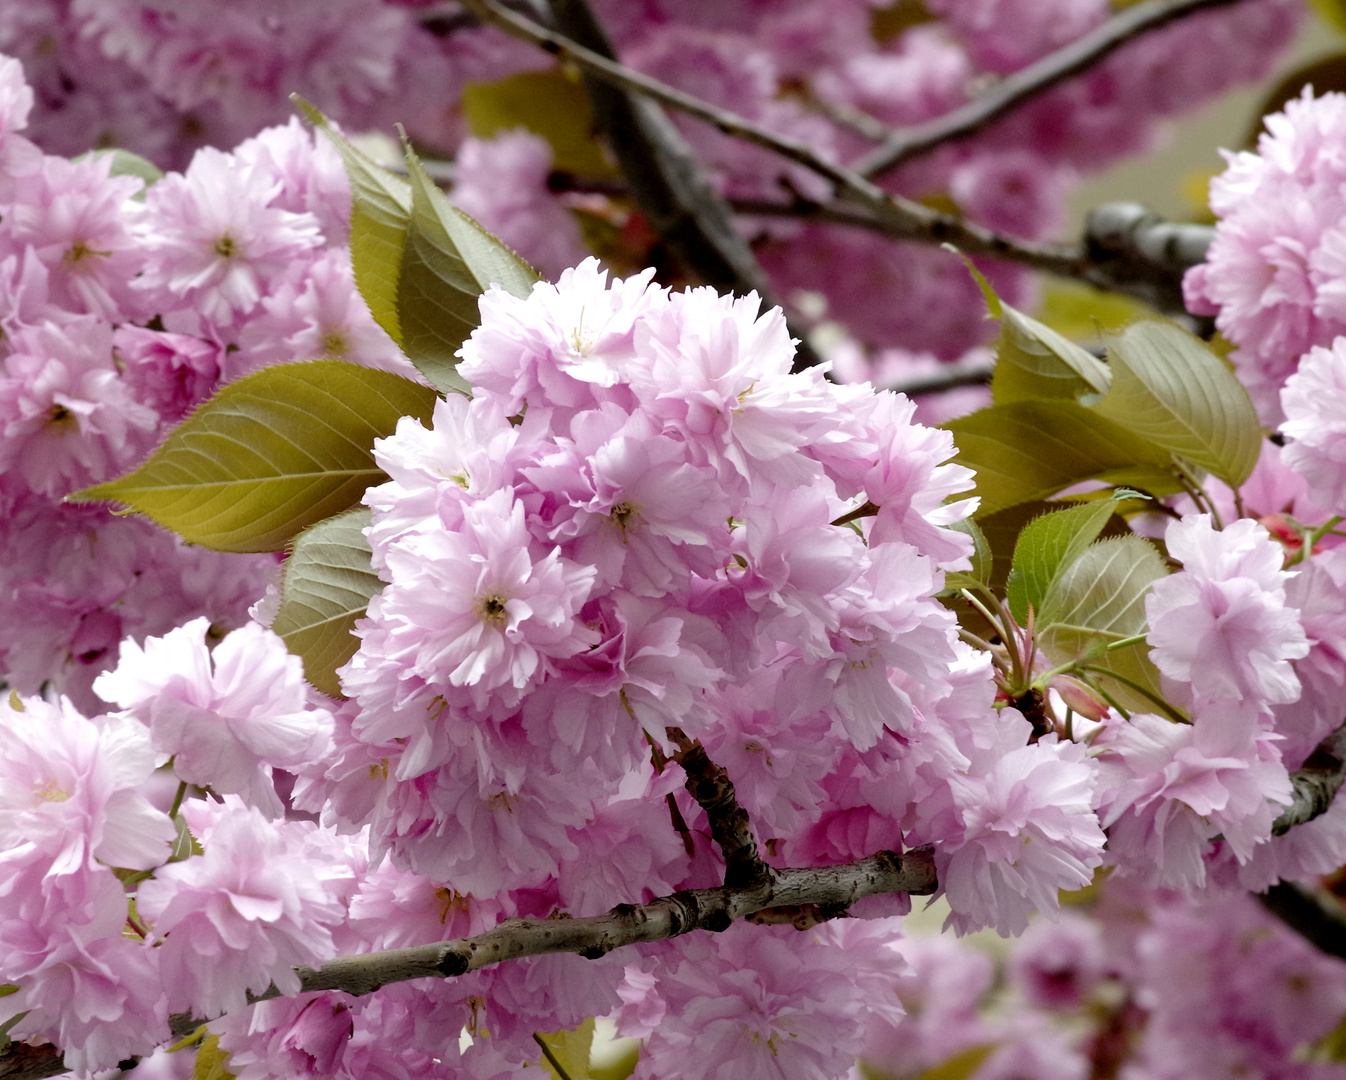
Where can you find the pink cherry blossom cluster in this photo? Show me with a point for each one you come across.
(165, 78)
(122, 308)
(640, 520)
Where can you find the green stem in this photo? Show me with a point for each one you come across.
(177, 799)
(1126, 642)
(551, 1058)
(1145, 692)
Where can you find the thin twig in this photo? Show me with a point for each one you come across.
(1027, 83)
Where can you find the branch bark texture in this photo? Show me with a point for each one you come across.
(830, 887)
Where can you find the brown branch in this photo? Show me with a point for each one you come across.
(1311, 913)
(901, 218)
(832, 888)
(730, 828)
(1315, 783)
(1027, 83)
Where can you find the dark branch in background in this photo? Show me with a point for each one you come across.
(664, 177)
(1027, 83)
(730, 828)
(861, 202)
(1314, 914)
(1143, 254)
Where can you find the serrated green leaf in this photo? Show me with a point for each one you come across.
(185, 844)
(1172, 391)
(447, 263)
(1033, 361)
(210, 1061)
(982, 557)
(1100, 599)
(380, 214)
(1028, 450)
(550, 103)
(570, 1050)
(327, 584)
(1046, 546)
(271, 454)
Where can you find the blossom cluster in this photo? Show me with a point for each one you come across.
(164, 78)
(639, 520)
(123, 308)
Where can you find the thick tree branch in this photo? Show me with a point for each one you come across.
(1315, 784)
(832, 888)
(1027, 83)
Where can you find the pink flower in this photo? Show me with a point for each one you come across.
(241, 916)
(476, 609)
(227, 716)
(1029, 830)
(1222, 624)
(212, 239)
(1166, 789)
(72, 791)
(502, 182)
(66, 417)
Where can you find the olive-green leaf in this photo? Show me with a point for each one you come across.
(1172, 391)
(550, 103)
(1100, 599)
(982, 558)
(1047, 545)
(380, 213)
(270, 455)
(1028, 450)
(447, 263)
(1034, 362)
(327, 584)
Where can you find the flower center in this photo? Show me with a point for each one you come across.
(334, 344)
(491, 608)
(226, 246)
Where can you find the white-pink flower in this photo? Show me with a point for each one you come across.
(1222, 624)
(1029, 831)
(241, 916)
(72, 790)
(227, 716)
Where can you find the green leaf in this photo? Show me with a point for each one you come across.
(1100, 599)
(552, 104)
(1172, 391)
(327, 584)
(961, 1066)
(1028, 450)
(210, 1061)
(1050, 543)
(1033, 361)
(380, 213)
(982, 558)
(185, 844)
(447, 263)
(125, 163)
(270, 455)
(570, 1049)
